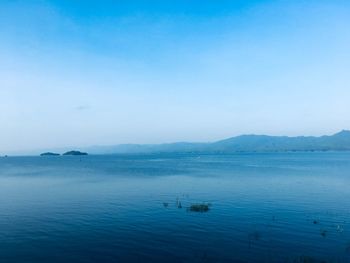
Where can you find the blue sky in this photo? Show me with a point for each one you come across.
(79, 73)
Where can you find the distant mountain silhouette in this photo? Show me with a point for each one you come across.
(244, 143)
(263, 143)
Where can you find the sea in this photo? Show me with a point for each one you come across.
(261, 207)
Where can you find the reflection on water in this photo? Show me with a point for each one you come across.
(290, 207)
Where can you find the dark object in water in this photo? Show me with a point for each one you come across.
(178, 203)
(323, 233)
(75, 153)
(199, 207)
(315, 222)
(165, 204)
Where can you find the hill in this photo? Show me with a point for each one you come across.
(244, 143)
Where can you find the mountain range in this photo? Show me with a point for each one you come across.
(244, 143)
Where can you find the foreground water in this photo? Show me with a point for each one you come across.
(290, 207)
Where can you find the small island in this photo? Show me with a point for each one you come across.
(49, 154)
(75, 153)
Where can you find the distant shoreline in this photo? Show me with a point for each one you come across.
(173, 153)
(339, 142)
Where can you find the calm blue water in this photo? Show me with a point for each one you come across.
(290, 207)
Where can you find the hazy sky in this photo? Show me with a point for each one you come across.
(78, 73)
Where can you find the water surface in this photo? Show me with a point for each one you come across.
(280, 207)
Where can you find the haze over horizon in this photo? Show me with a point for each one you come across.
(81, 74)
